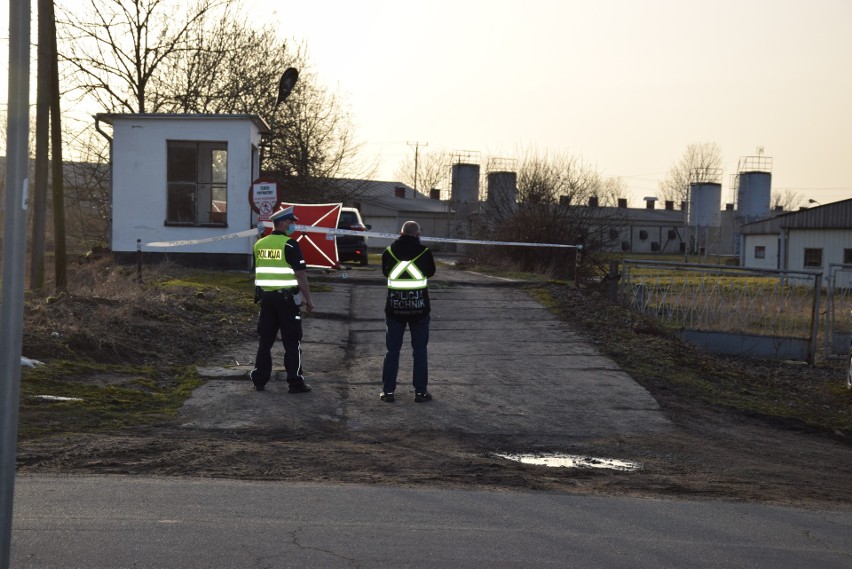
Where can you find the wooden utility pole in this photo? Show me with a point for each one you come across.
(416, 146)
(41, 149)
(59, 259)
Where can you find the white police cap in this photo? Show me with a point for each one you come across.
(284, 213)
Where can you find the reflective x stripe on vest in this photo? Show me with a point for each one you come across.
(271, 269)
(406, 275)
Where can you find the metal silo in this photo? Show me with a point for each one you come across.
(464, 197)
(754, 195)
(705, 204)
(465, 185)
(754, 188)
(704, 217)
(503, 191)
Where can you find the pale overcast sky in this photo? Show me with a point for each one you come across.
(625, 85)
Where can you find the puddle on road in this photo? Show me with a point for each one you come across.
(571, 461)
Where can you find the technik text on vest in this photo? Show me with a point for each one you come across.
(407, 299)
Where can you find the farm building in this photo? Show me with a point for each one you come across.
(643, 230)
(814, 239)
(180, 178)
(387, 205)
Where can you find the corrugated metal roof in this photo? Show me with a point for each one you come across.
(383, 193)
(640, 215)
(837, 215)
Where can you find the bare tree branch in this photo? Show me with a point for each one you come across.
(117, 47)
(433, 170)
(151, 56)
(700, 163)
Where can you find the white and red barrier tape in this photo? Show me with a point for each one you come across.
(331, 233)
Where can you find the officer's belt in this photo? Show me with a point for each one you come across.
(282, 291)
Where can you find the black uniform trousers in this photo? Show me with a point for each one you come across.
(278, 313)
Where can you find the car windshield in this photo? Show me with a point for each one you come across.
(347, 218)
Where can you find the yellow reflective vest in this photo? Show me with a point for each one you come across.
(271, 270)
(406, 275)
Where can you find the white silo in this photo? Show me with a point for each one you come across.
(705, 204)
(754, 188)
(464, 198)
(464, 185)
(705, 216)
(754, 195)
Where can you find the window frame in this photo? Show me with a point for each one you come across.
(809, 258)
(760, 251)
(204, 185)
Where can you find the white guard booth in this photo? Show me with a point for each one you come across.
(179, 177)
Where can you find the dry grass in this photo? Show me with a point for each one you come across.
(127, 349)
(793, 393)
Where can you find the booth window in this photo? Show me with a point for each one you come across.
(847, 256)
(760, 252)
(813, 257)
(197, 177)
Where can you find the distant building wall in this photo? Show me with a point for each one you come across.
(761, 251)
(832, 242)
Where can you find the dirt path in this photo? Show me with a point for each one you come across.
(507, 376)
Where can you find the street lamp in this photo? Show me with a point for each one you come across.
(814, 201)
(285, 85)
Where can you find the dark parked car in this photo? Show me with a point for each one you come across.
(351, 247)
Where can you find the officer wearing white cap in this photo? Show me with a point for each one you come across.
(282, 284)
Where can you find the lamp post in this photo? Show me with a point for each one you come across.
(285, 86)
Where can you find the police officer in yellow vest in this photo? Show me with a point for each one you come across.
(282, 284)
(408, 265)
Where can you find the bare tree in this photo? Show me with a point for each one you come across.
(701, 162)
(236, 69)
(610, 191)
(314, 145)
(231, 68)
(787, 200)
(433, 170)
(554, 193)
(117, 48)
(87, 192)
(158, 56)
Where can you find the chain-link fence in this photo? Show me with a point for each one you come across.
(729, 309)
(838, 312)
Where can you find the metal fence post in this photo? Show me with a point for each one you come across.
(139, 261)
(612, 282)
(829, 315)
(812, 346)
